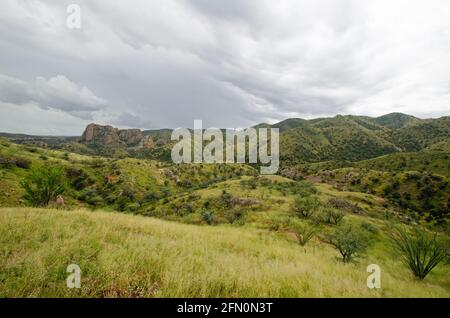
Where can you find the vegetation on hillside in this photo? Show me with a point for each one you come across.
(347, 194)
(132, 256)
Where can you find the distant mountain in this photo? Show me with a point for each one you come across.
(291, 123)
(356, 138)
(423, 134)
(396, 120)
(337, 138)
(349, 138)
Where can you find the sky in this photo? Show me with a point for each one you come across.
(156, 64)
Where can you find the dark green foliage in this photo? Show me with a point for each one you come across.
(226, 198)
(78, 178)
(250, 183)
(9, 162)
(305, 207)
(329, 215)
(208, 217)
(345, 205)
(23, 163)
(350, 242)
(151, 197)
(43, 185)
(419, 250)
(235, 216)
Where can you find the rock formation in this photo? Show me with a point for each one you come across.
(95, 134)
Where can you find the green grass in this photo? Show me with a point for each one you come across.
(133, 256)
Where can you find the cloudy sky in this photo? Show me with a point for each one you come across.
(233, 63)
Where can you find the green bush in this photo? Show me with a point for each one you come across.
(305, 207)
(43, 185)
(208, 217)
(305, 232)
(420, 251)
(349, 242)
(330, 215)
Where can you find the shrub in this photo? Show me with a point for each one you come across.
(6, 162)
(43, 185)
(305, 207)
(95, 200)
(78, 179)
(151, 197)
(330, 215)
(128, 193)
(236, 215)
(304, 188)
(110, 199)
(420, 251)
(349, 242)
(345, 205)
(305, 232)
(131, 207)
(226, 197)
(369, 227)
(23, 163)
(208, 217)
(9, 162)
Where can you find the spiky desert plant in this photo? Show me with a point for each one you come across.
(305, 232)
(419, 250)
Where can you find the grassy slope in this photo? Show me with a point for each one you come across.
(124, 255)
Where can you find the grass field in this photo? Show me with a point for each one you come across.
(124, 255)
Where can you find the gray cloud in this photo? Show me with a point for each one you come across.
(56, 93)
(231, 63)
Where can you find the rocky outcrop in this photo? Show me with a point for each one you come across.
(100, 135)
(131, 137)
(147, 142)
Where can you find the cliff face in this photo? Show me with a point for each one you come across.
(100, 135)
(131, 137)
(95, 134)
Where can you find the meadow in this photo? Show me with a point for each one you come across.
(134, 256)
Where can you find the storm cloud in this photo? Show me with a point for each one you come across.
(232, 63)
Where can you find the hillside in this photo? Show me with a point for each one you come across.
(347, 138)
(132, 256)
(341, 138)
(219, 230)
(354, 138)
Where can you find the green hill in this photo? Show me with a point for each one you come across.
(421, 135)
(338, 138)
(396, 120)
